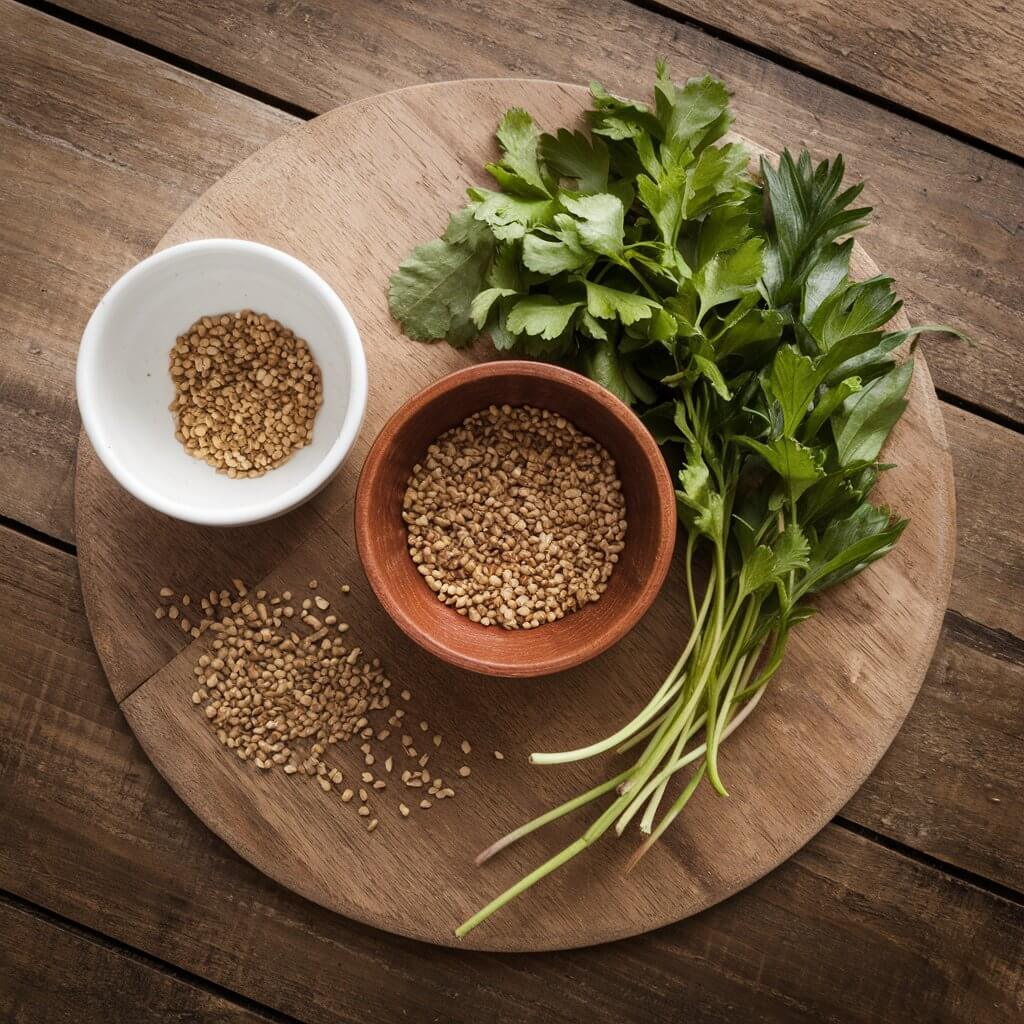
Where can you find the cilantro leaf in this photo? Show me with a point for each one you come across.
(519, 140)
(431, 292)
(573, 155)
(480, 309)
(510, 216)
(600, 221)
(609, 304)
(556, 250)
(541, 315)
(726, 276)
(792, 383)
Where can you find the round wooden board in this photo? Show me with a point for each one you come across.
(350, 194)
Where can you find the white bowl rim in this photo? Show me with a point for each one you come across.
(87, 368)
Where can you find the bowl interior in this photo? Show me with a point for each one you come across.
(650, 512)
(125, 387)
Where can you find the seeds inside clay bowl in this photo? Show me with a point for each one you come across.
(618, 564)
(515, 518)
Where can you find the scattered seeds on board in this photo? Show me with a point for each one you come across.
(549, 525)
(247, 392)
(499, 756)
(280, 697)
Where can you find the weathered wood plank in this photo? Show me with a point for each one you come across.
(960, 64)
(53, 975)
(100, 149)
(805, 944)
(121, 143)
(948, 223)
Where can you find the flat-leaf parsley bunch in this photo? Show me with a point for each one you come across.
(719, 305)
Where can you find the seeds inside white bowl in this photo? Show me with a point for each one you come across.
(247, 392)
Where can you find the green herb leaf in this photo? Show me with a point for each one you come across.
(573, 155)
(610, 303)
(850, 545)
(726, 276)
(603, 365)
(432, 291)
(600, 223)
(792, 383)
(519, 140)
(559, 249)
(794, 462)
(480, 309)
(866, 418)
(541, 315)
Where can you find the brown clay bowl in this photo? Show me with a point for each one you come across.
(491, 650)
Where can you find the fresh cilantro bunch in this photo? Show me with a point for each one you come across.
(720, 306)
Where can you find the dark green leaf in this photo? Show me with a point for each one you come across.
(862, 424)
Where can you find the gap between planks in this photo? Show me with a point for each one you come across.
(824, 78)
(146, 960)
(60, 13)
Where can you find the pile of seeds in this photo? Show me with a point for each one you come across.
(247, 391)
(515, 518)
(280, 687)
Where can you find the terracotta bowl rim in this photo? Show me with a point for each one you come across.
(590, 646)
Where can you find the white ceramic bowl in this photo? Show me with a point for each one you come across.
(124, 387)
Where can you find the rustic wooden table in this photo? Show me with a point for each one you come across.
(116, 904)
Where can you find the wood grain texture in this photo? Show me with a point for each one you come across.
(845, 931)
(804, 753)
(100, 148)
(956, 61)
(383, 543)
(122, 143)
(948, 219)
(50, 974)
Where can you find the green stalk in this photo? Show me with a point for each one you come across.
(558, 812)
(664, 694)
(712, 694)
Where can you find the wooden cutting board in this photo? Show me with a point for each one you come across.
(350, 193)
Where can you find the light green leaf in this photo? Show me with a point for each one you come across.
(795, 463)
(717, 171)
(592, 327)
(511, 216)
(791, 550)
(609, 303)
(866, 418)
(697, 105)
(480, 310)
(519, 140)
(664, 200)
(727, 276)
(541, 315)
(573, 155)
(711, 371)
(558, 250)
(792, 383)
(699, 507)
(600, 223)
